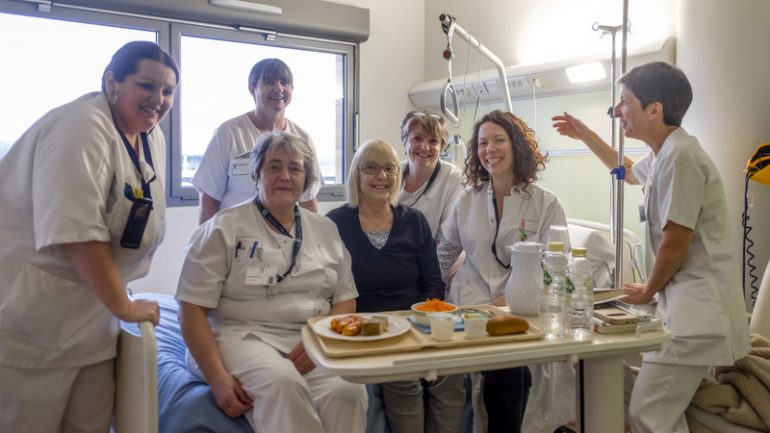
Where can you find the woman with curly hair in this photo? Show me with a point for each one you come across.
(502, 206)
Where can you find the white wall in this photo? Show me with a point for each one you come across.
(390, 62)
(526, 31)
(722, 46)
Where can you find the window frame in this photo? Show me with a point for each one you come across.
(179, 195)
(169, 33)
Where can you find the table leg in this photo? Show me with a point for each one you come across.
(600, 399)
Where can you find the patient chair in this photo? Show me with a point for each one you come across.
(701, 421)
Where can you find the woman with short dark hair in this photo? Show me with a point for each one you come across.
(82, 214)
(222, 178)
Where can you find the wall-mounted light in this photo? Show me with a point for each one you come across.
(244, 5)
(586, 72)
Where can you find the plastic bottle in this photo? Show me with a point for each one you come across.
(580, 294)
(553, 303)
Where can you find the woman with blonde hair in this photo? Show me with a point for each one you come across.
(394, 266)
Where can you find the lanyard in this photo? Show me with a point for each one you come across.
(497, 230)
(282, 230)
(135, 159)
(433, 177)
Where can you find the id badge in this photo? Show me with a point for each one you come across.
(262, 274)
(136, 223)
(240, 167)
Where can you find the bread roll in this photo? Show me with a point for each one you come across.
(506, 324)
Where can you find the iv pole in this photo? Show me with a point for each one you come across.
(619, 172)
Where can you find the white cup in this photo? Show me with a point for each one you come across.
(475, 325)
(442, 326)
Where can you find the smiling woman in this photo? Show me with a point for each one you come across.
(263, 268)
(139, 98)
(94, 232)
(395, 266)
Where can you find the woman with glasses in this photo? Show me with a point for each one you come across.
(502, 206)
(394, 266)
(252, 277)
(430, 185)
(222, 178)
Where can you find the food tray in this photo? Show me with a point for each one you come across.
(415, 339)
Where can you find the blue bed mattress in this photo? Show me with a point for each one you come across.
(185, 403)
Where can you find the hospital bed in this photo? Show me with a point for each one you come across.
(601, 252)
(155, 392)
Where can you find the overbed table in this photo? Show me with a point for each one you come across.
(600, 372)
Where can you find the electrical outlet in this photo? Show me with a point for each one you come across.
(535, 80)
(517, 82)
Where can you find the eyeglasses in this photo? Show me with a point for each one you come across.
(422, 113)
(372, 168)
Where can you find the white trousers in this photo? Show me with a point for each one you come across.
(60, 400)
(285, 401)
(661, 395)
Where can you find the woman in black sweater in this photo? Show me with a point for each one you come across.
(394, 266)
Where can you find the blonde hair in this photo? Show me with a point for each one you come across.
(379, 152)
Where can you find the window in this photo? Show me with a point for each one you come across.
(56, 57)
(215, 67)
(48, 65)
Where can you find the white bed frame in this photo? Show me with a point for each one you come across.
(636, 261)
(136, 382)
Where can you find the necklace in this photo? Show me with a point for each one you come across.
(370, 224)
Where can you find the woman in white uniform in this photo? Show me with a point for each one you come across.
(695, 277)
(223, 178)
(75, 189)
(430, 185)
(252, 277)
(502, 206)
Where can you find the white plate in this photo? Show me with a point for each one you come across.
(396, 326)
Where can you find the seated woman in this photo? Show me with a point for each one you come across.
(252, 276)
(394, 266)
(502, 206)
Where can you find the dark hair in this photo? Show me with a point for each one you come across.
(527, 159)
(270, 69)
(430, 122)
(284, 141)
(660, 82)
(126, 60)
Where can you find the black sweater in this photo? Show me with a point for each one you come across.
(403, 272)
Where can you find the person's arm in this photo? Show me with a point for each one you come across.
(227, 390)
(95, 264)
(208, 207)
(572, 127)
(672, 252)
(431, 283)
(311, 205)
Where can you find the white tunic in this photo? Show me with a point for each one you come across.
(63, 182)
(702, 305)
(438, 201)
(224, 173)
(213, 277)
(471, 225)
